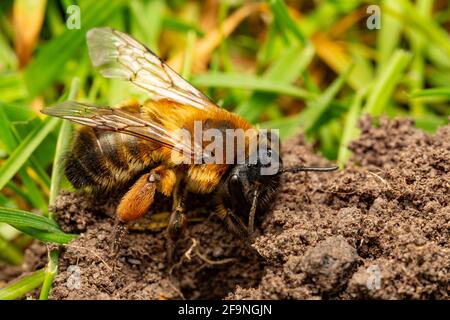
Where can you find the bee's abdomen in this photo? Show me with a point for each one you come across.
(104, 160)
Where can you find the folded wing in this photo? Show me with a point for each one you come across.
(118, 120)
(117, 55)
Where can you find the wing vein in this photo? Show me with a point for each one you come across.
(118, 55)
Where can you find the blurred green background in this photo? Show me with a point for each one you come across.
(309, 66)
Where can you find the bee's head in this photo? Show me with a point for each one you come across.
(251, 188)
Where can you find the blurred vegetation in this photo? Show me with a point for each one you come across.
(310, 66)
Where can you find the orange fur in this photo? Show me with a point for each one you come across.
(137, 200)
(203, 179)
(167, 180)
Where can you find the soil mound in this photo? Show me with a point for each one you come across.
(380, 229)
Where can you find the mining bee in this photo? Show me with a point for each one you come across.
(138, 146)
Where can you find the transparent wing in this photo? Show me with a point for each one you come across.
(122, 121)
(118, 55)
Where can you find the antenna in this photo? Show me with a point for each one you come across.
(315, 169)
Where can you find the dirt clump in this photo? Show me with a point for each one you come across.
(329, 264)
(379, 229)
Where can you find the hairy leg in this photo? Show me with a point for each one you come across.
(138, 200)
(177, 222)
(232, 221)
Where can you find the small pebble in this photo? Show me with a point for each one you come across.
(134, 261)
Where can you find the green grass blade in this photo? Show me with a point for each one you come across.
(40, 171)
(350, 128)
(282, 16)
(389, 35)
(22, 153)
(286, 69)
(16, 189)
(181, 26)
(308, 118)
(145, 29)
(385, 83)
(417, 70)
(49, 275)
(42, 175)
(12, 87)
(249, 82)
(18, 112)
(424, 24)
(64, 139)
(8, 57)
(315, 109)
(62, 144)
(188, 54)
(329, 136)
(34, 193)
(20, 218)
(6, 202)
(291, 64)
(9, 138)
(430, 122)
(10, 253)
(431, 93)
(48, 237)
(22, 286)
(6, 135)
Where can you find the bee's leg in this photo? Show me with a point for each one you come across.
(134, 204)
(233, 223)
(137, 201)
(177, 222)
(120, 230)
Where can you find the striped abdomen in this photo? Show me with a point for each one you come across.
(103, 160)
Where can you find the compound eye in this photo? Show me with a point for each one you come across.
(234, 182)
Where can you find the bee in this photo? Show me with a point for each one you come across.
(133, 145)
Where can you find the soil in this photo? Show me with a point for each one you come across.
(379, 229)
